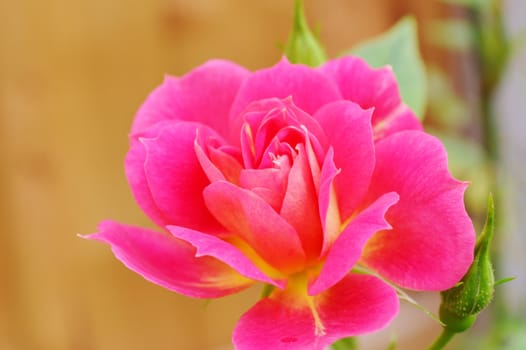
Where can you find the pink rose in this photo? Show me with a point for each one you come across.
(292, 176)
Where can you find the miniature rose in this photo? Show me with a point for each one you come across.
(292, 176)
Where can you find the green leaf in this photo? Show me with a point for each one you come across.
(504, 280)
(303, 46)
(345, 344)
(398, 47)
(469, 3)
(452, 34)
(447, 108)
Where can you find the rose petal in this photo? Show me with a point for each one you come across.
(328, 202)
(300, 205)
(226, 163)
(166, 178)
(134, 168)
(431, 244)
(169, 262)
(358, 304)
(314, 158)
(267, 121)
(269, 183)
(203, 95)
(215, 162)
(248, 216)
(347, 249)
(349, 128)
(372, 88)
(281, 113)
(209, 168)
(400, 119)
(208, 245)
(308, 88)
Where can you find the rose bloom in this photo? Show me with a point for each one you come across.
(295, 177)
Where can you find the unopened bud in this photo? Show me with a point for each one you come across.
(302, 46)
(461, 304)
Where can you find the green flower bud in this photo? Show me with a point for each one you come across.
(302, 46)
(461, 304)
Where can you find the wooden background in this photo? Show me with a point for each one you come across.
(72, 74)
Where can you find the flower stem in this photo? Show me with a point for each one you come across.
(442, 340)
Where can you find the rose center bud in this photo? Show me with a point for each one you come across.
(282, 164)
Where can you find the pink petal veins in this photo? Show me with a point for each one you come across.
(208, 245)
(216, 82)
(270, 183)
(172, 175)
(349, 128)
(357, 305)
(372, 88)
(300, 205)
(328, 202)
(431, 244)
(308, 88)
(249, 217)
(169, 262)
(216, 163)
(348, 247)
